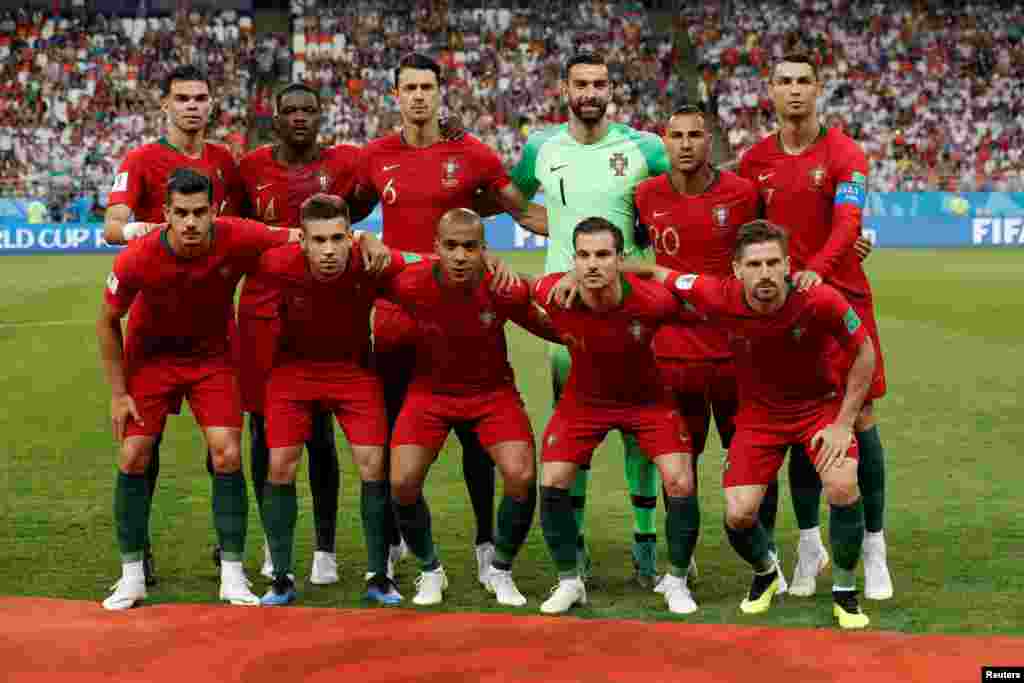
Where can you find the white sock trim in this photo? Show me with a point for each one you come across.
(812, 535)
(843, 588)
(133, 571)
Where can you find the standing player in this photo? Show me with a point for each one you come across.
(324, 294)
(813, 182)
(179, 284)
(462, 377)
(692, 215)
(417, 176)
(590, 167)
(783, 338)
(613, 384)
(140, 185)
(277, 180)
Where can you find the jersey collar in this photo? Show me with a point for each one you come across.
(822, 132)
(167, 143)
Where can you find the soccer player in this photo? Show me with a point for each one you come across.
(324, 292)
(783, 338)
(139, 188)
(692, 215)
(462, 377)
(591, 167)
(417, 176)
(813, 182)
(179, 283)
(277, 180)
(613, 384)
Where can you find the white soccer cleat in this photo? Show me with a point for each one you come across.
(877, 581)
(267, 569)
(783, 586)
(430, 587)
(567, 593)
(127, 593)
(325, 568)
(811, 560)
(235, 587)
(484, 558)
(504, 588)
(677, 595)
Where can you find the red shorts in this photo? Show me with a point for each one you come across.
(698, 388)
(158, 387)
(257, 345)
(843, 359)
(296, 393)
(497, 416)
(576, 429)
(757, 453)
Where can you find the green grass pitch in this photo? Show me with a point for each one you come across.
(951, 328)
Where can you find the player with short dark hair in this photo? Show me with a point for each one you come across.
(813, 181)
(179, 283)
(277, 179)
(613, 383)
(587, 167)
(783, 337)
(463, 378)
(137, 197)
(417, 176)
(323, 290)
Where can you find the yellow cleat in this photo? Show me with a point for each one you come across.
(761, 603)
(847, 611)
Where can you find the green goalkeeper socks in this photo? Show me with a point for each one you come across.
(280, 512)
(644, 483)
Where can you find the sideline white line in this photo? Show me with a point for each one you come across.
(47, 323)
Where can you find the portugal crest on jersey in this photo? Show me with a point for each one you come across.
(817, 177)
(450, 172)
(618, 163)
(636, 328)
(721, 215)
(324, 179)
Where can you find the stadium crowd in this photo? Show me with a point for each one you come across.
(935, 95)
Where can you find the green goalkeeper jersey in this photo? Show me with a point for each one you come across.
(580, 181)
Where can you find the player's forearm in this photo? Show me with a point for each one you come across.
(858, 384)
(111, 343)
(360, 204)
(114, 220)
(533, 217)
(645, 269)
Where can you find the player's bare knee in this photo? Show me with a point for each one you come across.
(739, 516)
(405, 490)
(680, 486)
(135, 456)
(227, 457)
(841, 492)
(369, 460)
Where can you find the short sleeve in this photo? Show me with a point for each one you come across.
(122, 282)
(839, 317)
(489, 168)
(362, 168)
(249, 239)
(653, 149)
(129, 182)
(347, 170)
(524, 175)
(234, 188)
(705, 293)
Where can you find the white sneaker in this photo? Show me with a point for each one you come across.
(234, 586)
(430, 587)
(127, 593)
(691, 575)
(811, 560)
(267, 569)
(677, 595)
(325, 568)
(783, 586)
(504, 588)
(484, 558)
(567, 593)
(877, 581)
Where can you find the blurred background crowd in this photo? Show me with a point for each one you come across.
(933, 92)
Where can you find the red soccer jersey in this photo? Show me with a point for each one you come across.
(182, 307)
(818, 196)
(418, 185)
(695, 234)
(274, 194)
(612, 357)
(324, 322)
(782, 359)
(460, 348)
(141, 180)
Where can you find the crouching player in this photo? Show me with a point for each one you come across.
(782, 337)
(327, 286)
(462, 377)
(179, 283)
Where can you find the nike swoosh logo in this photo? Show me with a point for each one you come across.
(392, 166)
(260, 188)
(764, 176)
(660, 213)
(559, 167)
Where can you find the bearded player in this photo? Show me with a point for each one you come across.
(591, 167)
(417, 176)
(277, 180)
(813, 182)
(179, 284)
(139, 188)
